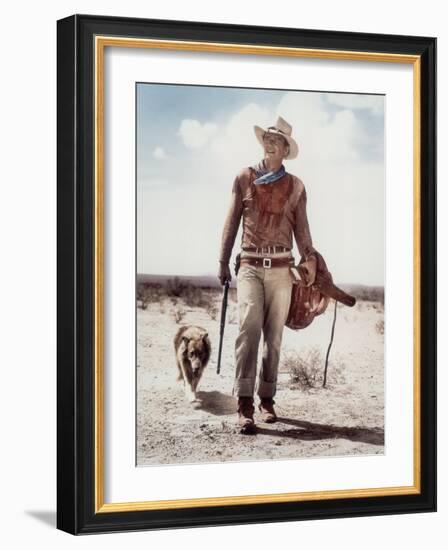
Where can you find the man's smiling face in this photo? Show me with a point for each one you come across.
(276, 148)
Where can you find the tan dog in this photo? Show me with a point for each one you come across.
(193, 348)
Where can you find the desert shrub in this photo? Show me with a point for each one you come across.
(371, 294)
(175, 287)
(148, 294)
(178, 315)
(306, 369)
(194, 297)
(212, 310)
(380, 326)
(142, 304)
(198, 297)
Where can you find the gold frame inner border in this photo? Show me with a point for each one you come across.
(101, 42)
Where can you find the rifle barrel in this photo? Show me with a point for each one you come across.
(223, 323)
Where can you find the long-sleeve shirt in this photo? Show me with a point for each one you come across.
(271, 214)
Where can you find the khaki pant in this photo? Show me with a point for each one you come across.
(264, 296)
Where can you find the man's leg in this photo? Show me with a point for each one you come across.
(278, 288)
(250, 308)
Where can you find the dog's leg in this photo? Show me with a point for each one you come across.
(190, 393)
(194, 385)
(196, 381)
(180, 374)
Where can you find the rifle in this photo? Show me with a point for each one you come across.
(223, 322)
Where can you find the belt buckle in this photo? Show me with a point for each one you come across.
(267, 263)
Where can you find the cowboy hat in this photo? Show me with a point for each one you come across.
(282, 128)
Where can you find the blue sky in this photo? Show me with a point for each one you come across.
(192, 140)
(161, 109)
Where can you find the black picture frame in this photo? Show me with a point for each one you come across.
(77, 509)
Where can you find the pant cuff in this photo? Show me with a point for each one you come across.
(266, 389)
(244, 387)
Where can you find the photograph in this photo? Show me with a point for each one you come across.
(260, 274)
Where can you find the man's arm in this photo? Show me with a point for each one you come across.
(304, 242)
(302, 229)
(230, 230)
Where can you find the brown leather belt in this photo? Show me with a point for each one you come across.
(266, 249)
(268, 263)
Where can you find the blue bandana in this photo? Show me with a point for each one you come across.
(264, 176)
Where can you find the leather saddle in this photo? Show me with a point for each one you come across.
(309, 301)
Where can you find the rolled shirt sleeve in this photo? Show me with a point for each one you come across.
(232, 222)
(302, 233)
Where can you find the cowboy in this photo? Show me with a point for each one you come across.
(272, 206)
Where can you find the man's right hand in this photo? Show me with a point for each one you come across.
(307, 271)
(224, 273)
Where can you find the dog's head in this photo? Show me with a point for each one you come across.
(197, 350)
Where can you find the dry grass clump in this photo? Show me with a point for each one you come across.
(212, 310)
(178, 315)
(193, 296)
(371, 294)
(378, 307)
(175, 287)
(306, 369)
(380, 326)
(148, 294)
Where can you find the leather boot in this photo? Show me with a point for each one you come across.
(266, 407)
(246, 415)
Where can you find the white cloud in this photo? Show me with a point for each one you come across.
(196, 135)
(320, 136)
(159, 153)
(236, 144)
(374, 103)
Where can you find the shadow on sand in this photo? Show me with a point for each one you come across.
(215, 402)
(309, 431)
(220, 404)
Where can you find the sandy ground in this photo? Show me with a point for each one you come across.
(345, 418)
